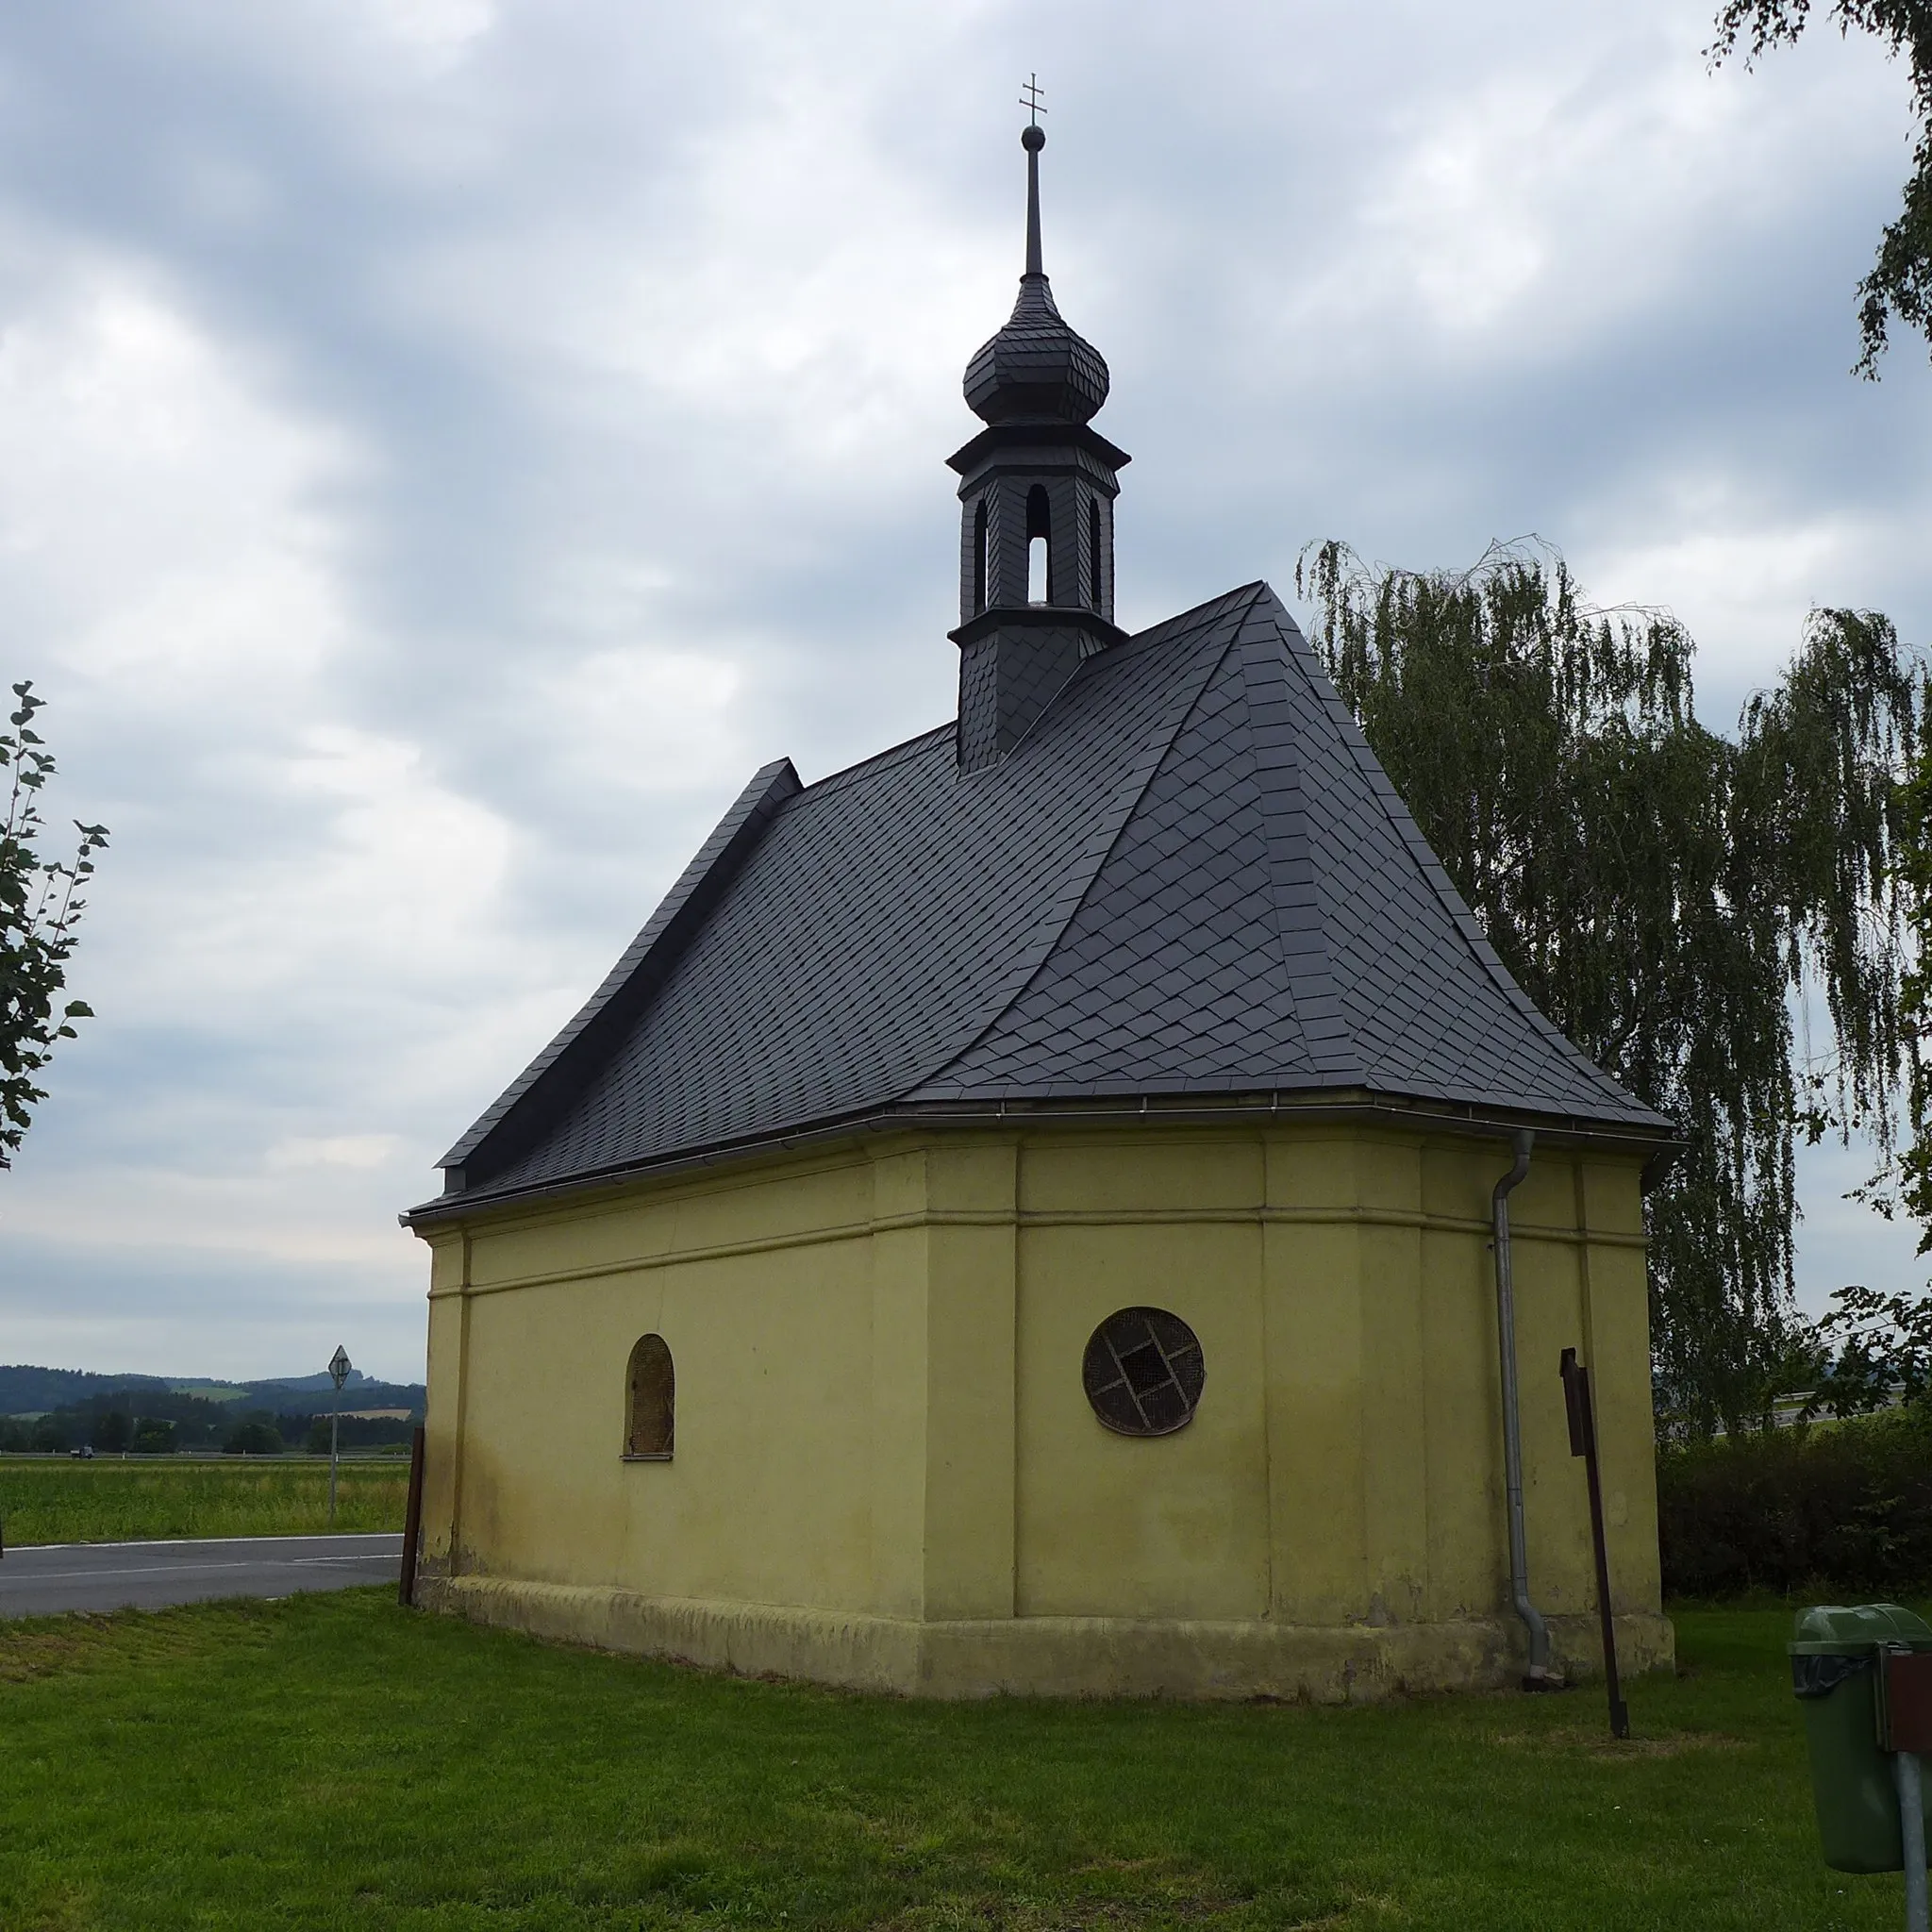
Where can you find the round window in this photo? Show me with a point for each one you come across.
(1144, 1371)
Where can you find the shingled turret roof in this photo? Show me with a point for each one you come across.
(1036, 369)
(1192, 883)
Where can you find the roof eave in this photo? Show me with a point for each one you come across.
(1017, 434)
(1656, 1139)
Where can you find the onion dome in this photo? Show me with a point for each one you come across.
(1036, 370)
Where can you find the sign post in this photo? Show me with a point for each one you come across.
(1583, 1442)
(339, 1366)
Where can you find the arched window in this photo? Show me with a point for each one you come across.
(650, 1402)
(979, 555)
(1093, 596)
(1039, 548)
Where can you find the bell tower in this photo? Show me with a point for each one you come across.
(1037, 489)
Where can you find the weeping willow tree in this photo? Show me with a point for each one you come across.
(1900, 1353)
(1677, 901)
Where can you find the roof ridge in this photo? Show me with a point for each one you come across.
(904, 749)
(663, 935)
(1395, 809)
(1203, 614)
(1300, 929)
(1100, 842)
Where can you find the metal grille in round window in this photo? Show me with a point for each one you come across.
(1143, 1372)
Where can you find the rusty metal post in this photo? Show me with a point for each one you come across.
(1582, 1414)
(412, 1524)
(1905, 1729)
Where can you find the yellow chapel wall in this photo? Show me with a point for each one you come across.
(761, 1287)
(879, 1407)
(1345, 1464)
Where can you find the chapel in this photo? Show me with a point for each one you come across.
(1072, 1204)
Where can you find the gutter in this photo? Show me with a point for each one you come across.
(457, 1203)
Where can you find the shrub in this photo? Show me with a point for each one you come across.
(52, 1432)
(1844, 1509)
(253, 1437)
(113, 1433)
(361, 1432)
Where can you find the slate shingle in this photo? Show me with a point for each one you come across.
(1191, 876)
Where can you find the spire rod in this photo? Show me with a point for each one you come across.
(1033, 138)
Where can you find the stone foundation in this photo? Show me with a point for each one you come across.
(1045, 1657)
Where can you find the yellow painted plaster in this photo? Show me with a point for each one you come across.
(884, 1451)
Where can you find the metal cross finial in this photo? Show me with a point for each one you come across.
(1032, 138)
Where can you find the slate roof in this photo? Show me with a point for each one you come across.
(1036, 369)
(1192, 878)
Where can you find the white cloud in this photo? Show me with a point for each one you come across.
(158, 522)
(439, 28)
(334, 1150)
(450, 444)
(1740, 582)
(653, 722)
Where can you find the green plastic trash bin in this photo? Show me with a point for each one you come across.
(1834, 1670)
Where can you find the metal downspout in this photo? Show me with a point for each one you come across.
(1537, 1676)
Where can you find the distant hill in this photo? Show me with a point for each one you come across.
(358, 1391)
(29, 1391)
(24, 1388)
(319, 1380)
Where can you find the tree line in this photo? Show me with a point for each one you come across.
(161, 1422)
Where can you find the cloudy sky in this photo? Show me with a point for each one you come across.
(446, 444)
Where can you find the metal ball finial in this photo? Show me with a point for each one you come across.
(1033, 138)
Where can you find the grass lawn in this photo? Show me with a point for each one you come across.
(47, 1500)
(335, 1761)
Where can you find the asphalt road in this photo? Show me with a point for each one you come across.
(41, 1579)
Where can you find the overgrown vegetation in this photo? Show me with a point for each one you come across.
(1903, 1353)
(1665, 893)
(332, 1760)
(40, 907)
(1840, 1509)
(116, 1429)
(122, 1502)
(1873, 1351)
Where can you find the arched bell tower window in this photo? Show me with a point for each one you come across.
(980, 557)
(1093, 590)
(650, 1402)
(1040, 585)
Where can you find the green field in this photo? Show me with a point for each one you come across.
(53, 1500)
(334, 1761)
